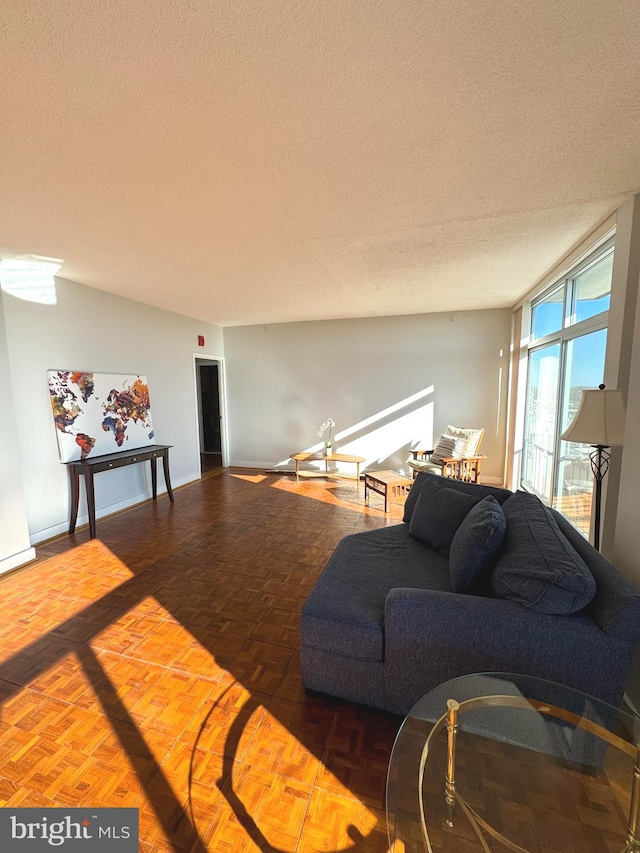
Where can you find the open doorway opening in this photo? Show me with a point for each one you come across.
(210, 413)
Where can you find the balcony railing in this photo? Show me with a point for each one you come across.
(574, 492)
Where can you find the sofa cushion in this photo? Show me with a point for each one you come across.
(345, 611)
(615, 608)
(425, 465)
(458, 485)
(475, 544)
(438, 514)
(537, 566)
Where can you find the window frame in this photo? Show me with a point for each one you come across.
(568, 281)
(570, 330)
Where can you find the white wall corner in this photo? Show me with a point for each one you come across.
(14, 529)
(16, 560)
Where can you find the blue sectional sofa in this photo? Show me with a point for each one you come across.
(475, 579)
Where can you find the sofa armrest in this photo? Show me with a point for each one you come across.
(432, 636)
(416, 453)
(462, 458)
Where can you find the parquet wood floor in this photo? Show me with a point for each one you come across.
(157, 666)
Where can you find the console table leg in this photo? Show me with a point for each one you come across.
(154, 477)
(167, 478)
(91, 502)
(75, 498)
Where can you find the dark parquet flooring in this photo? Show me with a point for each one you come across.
(157, 666)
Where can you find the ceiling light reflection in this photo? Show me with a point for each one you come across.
(30, 279)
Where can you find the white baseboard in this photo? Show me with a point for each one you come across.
(288, 466)
(102, 512)
(17, 560)
(266, 466)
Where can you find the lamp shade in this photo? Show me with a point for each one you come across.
(599, 420)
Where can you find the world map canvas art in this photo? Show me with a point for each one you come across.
(98, 413)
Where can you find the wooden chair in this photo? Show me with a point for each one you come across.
(464, 464)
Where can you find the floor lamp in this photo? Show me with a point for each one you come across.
(599, 422)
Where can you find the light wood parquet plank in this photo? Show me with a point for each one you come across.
(227, 726)
(35, 659)
(175, 700)
(291, 685)
(337, 823)
(260, 666)
(65, 679)
(356, 754)
(30, 710)
(14, 795)
(263, 811)
(289, 740)
(219, 624)
(279, 627)
(169, 645)
(176, 830)
(158, 666)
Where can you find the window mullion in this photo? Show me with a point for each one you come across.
(569, 303)
(559, 410)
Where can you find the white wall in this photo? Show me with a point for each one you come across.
(626, 548)
(94, 331)
(621, 516)
(626, 543)
(388, 383)
(15, 547)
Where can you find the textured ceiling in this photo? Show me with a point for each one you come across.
(254, 161)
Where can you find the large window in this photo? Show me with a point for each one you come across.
(542, 408)
(568, 336)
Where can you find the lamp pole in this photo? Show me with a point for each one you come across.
(600, 422)
(599, 458)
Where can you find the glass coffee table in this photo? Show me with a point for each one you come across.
(500, 762)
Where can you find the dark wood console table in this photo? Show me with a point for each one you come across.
(89, 467)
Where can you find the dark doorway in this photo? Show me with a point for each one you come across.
(211, 438)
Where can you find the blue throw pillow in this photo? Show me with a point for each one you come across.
(412, 497)
(475, 544)
(479, 491)
(437, 515)
(537, 565)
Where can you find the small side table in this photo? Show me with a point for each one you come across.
(326, 458)
(389, 484)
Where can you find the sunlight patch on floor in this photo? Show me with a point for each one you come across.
(250, 478)
(341, 494)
